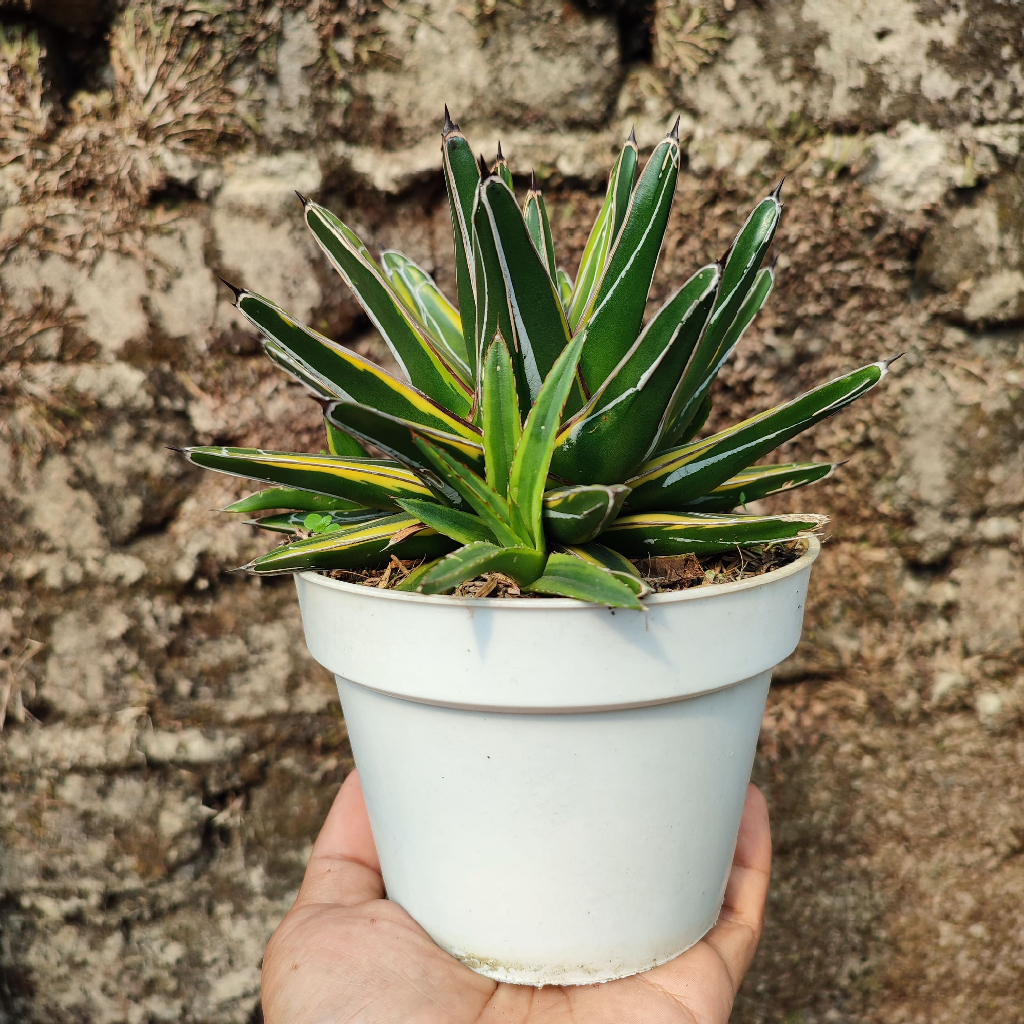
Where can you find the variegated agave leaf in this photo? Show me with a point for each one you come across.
(429, 305)
(611, 436)
(461, 177)
(760, 482)
(530, 316)
(376, 483)
(420, 359)
(614, 316)
(675, 533)
(679, 476)
(536, 216)
(604, 232)
(361, 546)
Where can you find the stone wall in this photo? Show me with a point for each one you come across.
(170, 749)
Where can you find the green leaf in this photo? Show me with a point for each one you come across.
(394, 435)
(618, 565)
(700, 417)
(499, 409)
(612, 325)
(521, 564)
(298, 370)
(605, 229)
(291, 498)
(492, 305)
(460, 526)
(743, 292)
(461, 178)
(677, 533)
(681, 475)
(373, 482)
(574, 515)
(612, 435)
(533, 453)
(292, 522)
(358, 547)
(703, 369)
(502, 170)
(421, 296)
(570, 576)
(340, 443)
(338, 372)
(564, 282)
(536, 216)
(538, 324)
(477, 493)
(421, 361)
(760, 482)
(412, 581)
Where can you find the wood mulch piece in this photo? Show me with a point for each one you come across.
(662, 574)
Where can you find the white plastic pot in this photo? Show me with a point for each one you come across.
(555, 787)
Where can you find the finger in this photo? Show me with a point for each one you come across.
(738, 930)
(343, 868)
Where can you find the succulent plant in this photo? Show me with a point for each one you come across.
(543, 431)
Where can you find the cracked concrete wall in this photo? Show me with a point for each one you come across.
(169, 747)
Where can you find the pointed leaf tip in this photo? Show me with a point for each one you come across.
(485, 171)
(500, 154)
(674, 134)
(302, 198)
(449, 125)
(238, 292)
(631, 137)
(777, 191)
(533, 180)
(892, 359)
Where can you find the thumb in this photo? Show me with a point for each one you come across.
(343, 868)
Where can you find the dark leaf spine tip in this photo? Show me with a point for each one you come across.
(776, 192)
(890, 361)
(302, 198)
(533, 180)
(175, 448)
(485, 171)
(631, 137)
(501, 156)
(238, 292)
(775, 260)
(674, 134)
(449, 125)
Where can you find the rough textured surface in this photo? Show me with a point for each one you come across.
(169, 748)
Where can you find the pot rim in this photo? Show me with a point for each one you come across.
(811, 552)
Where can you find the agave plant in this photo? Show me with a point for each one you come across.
(542, 430)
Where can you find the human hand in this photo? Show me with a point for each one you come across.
(344, 954)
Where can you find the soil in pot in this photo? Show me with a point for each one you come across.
(663, 574)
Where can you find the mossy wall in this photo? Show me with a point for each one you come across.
(170, 749)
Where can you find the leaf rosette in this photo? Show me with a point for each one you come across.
(538, 428)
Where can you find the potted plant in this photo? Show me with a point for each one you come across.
(554, 780)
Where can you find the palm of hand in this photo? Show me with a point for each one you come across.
(344, 954)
